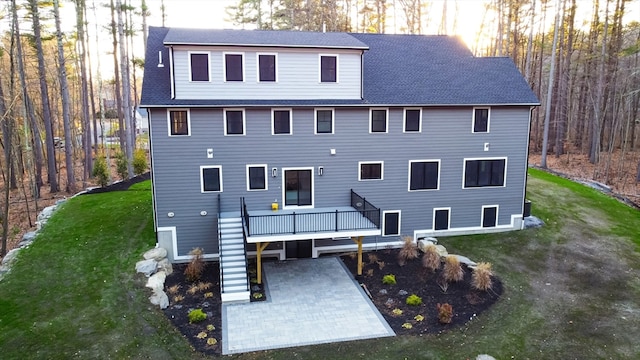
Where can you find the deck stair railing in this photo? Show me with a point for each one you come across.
(366, 208)
(220, 246)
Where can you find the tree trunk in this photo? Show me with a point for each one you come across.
(84, 90)
(126, 89)
(547, 115)
(7, 133)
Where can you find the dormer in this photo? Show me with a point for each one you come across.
(264, 65)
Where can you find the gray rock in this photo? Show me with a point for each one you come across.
(40, 224)
(30, 236)
(389, 302)
(165, 265)
(156, 281)
(10, 257)
(46, 212)
(23, 244)
(156, 254)
(465, 260)
(159, 298)
(485, 357)
(402, 293)
(147, 267)
(442, 251)
(382, 291)
(532, 222)
(423, 243)
(61, 201)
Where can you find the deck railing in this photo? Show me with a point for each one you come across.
(220, 246)
(366, 208)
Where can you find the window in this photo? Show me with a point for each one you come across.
(480, 173)
(324, 121)
(210, 178)
(489, 216)
(256, 177)
(199, 66)
(412, 120)
(266, 67)
(480, 120)
(378, 121)
(234, 122)
(281, 122)
(233, 67)
(370, 170)
(179, 122)
(441, 219)
(424, 175)
(328, 68)
(391, 223)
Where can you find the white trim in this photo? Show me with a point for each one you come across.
(266, 178)
(386, 121)
(464, 172)
(209, 73)
(224, 66)
(244, 121)
(357, 103)
(404, 120)
(174, 238)
(169, 111)
(473, 119)
(258, 67)
(424, 160)
(315, 121)
(320, 69)
(284, 191)
(384, 222)
(433, 222)
(154, 202)
(273, 128)
(360, 163)
(370, 246)
(171, 75)
(515, 224)
(482, 215)
(202, 167)
(317, 235)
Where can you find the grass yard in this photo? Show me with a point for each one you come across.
(572, 288)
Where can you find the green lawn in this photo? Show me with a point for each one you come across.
(572, 288)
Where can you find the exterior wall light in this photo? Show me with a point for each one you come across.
(274, 172)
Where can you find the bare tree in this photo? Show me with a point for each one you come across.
(126, 89)
(547, 115)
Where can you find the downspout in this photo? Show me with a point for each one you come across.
(526, 165)
(171, 70)
(361, 74)
(153, 188)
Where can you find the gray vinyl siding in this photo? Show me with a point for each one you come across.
(446, 135)
(297, 75)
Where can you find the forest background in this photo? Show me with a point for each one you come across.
(71, 73)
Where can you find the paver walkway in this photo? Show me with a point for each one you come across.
(310, 301)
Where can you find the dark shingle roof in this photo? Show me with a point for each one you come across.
(398, 70)
(261, 38)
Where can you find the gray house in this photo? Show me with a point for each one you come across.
(293, 144)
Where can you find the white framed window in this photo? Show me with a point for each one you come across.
(257, 177)
(481, 120)
(267, 67)
(323, 121)
(370, 170)
(210, 178)
(199, 66)
(489, 216)
(424, 175)
(281, 122)
(328, 68)
(484, 172)
(379, 120)
(441, 218)
(391, 223)
(412, 120)
(179, 122)
(234, 122)
(233, 66)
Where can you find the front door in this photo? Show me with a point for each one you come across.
(298, 187)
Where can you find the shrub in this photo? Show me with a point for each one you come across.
(121, 166)
(389, 279)
(195, 267)
(211, 341)
(445, 313)
(173, 289)
(193, 289)
(202, 286)
(452, 269)
(409, 251)
(414, 300)
(196, 315)
(178, 298)
(372, 258)
(396, 312)
(481, 276)
(139, 162)
(101, 172)
(431, 258)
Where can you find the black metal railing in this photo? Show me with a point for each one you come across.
(243, 214)
(220, 247)
(366, 208)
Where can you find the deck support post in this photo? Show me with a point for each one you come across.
(358, 240)
(259, 248)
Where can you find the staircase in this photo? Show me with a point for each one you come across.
(233, 261)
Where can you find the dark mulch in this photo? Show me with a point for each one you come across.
(411, 278)
(120, 185)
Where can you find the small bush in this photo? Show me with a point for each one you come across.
(101, 172)
(481, 276)
(452, 269)
(211, 341)
(445, 313)
(389, 279)
(431, 258)
(372, 258)
(178, 298)
(396, 312)
(369, 273)
(208, 295)
(210, 327)
(121, 166)
(414, 300)
(194, 269)
(407, 325)
(202, 286)
(381, 264)
(173, 289)
(193, 289)
(409, 251)
(139, 162)
(196, 315)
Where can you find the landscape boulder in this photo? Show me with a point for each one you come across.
(159, 298)
(147, 267)
(465, 260)
(156, 254)
(46, 212)
(10, 257)
(156, 281)
(442, 251)
(165, 265)
(423, 243)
